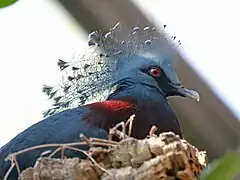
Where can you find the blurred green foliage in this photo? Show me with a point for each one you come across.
(4, 3)
(225, 168)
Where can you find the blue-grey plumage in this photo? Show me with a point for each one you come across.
(139, 75)
(63, 127)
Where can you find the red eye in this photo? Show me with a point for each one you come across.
(155, 72)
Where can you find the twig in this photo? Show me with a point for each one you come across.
(111, 143)
(119, 134)
(113, 130)
(17, 165)
(62, 151)
(130, 121)
(131, 118)
(85, 139)
(54, 152)
(45, 153)
(98, 165)
(43, 146)
(152, 131)
(121, 124)
(53, 145)
(122, 135)
(12, 156)
(9, 171)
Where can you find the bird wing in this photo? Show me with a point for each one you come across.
(63, 127)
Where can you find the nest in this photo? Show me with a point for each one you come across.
(164, 156)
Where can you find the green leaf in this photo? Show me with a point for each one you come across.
(4, 3)
(226, 168)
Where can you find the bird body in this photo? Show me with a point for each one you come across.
(93, 120)
(141, 84)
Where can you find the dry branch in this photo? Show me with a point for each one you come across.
(165, 157)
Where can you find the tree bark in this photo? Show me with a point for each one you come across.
(165, 157)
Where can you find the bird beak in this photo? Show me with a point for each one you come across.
(174, 82)
(186, 92)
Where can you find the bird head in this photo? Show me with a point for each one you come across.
(156, 72)
(140, 56)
